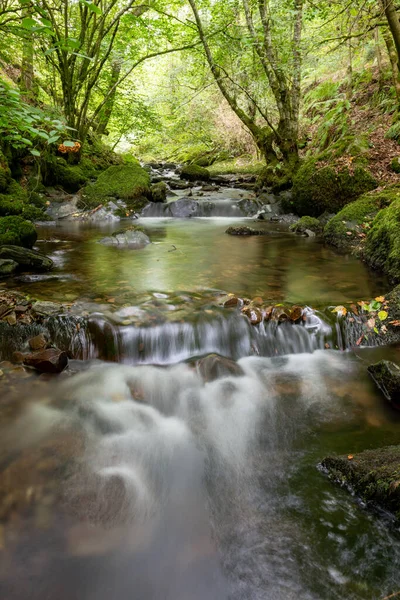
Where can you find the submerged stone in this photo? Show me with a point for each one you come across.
(244, 230)
(374, 475)
(26, 258)
(214, 366)
(127, 239)
(386, 375)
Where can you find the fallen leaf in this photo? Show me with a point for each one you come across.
(341, 310)
(395, 323)
(350, 457)
(380, 299)
(382, 315)
(360, 339)
(371, 323)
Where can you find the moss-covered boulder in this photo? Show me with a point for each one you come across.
(16, 231)
(127, 182)
(382, 247)
(318, 187)
(374, 475)
(16, 201)
(57, 171)
(274, 178)
(195, 173)
(346, 229)
(159, 192)
(307, 223)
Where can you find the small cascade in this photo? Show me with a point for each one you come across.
(229, 335)
(188, 207)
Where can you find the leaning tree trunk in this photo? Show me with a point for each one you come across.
(106, 111)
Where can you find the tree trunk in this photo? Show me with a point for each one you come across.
(378, 55)
(393, 61)
(394, 23)
(106, 111)
(26, 83)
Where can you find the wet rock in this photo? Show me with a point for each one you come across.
(51, 360)
(374, 475)
(46, 309)
(280, 313)
(11, 318)
(127, 239)
(254, 314)
(38, 342)
(26, 258)
(309, 233)
(159, 192)
(244, 230)
(7, 267)
(184, 208)
(195, 173)
(386, 375)
(296, 313)
(215, 366)
(174, 184)
(249, 207)
(233, 301)
(170, 166)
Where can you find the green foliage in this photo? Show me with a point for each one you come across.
(327, 90)
(246, 164)
(395, 164)
(195, 173)
(26, 127)
(127, 182)
(16, 231)
(393, 132)
(382, 248)
(57, 171)
(319, 188)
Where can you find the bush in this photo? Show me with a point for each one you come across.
(16, 231)
(127, 182)
(317, 189)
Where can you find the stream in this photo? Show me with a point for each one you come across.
(140, 474)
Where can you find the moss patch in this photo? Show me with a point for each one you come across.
(17, 202)
(373, 474)
(57, 171)
(5, 174)
(127, 182)
(275, 179)
(195, 173)
(310, 223)
(16, 231)
(317, 188)
(382, 247)
(344, 229)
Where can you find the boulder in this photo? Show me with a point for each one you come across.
(7, 267)
(184, 208)
(374, 475)
(16, 231)
(51, 360)
(305, 224)
(159, 192)
(26, 258)
(195, 173)
(131, 238)
(244, 230)
(46, 309)
(213, 367)
(38, 342)
(386, 375)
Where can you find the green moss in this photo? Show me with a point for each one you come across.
(395, 164)
(246, 165)
(127, 182)
(159, 192)
(17, 202)
(195, 173)
(310, 223)
(317, 188)
(276, 179)
(373, 474)
(5, 174)
(57, 171)
(16, 231)
(382, 248)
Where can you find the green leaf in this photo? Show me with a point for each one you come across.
(28, 23)
(382, 315)
(376, 330)
(53, 139)
(69, 144)
(35, 152)
(95, 9)
(45, 22)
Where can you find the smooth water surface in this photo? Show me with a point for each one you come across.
(196, 255)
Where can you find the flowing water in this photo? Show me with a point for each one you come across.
(154, 479)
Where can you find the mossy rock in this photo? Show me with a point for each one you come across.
(342, 231)
(16, 231)
(195, 173)
(310, 223)
(395, 164)
(159, 192)
(317, 188)
(127, 182)
(374, 475)
(275, 179)
(57, 171)
(17, 202)
(382, 248)
(99, 155)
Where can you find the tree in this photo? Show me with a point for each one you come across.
(275, 137)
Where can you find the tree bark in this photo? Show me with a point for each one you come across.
(105, 113)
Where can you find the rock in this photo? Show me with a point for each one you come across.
(233, 301)
(254, 314)
(373, 474)
(386, 375)
(38, 342)
(16, 231)
(46, 309)
(174, 184)
(214, 367)
(308, 226)
(249, 207)
(131, 238)
(11, 318)
(184, 208)
(244, 230)
(296, 313)
(195, 173)
(26, 258)
(169, 165)
(7, 267)
(280, 314)
(159, 192)
(309, 233)
(51, 360)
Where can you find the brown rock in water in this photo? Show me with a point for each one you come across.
(38, 342)
(280, 313)
(214, 366)
(386, 375)
(267, 312)
(234, 301)
(51, 360)
(296, 313)
(254, 314)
